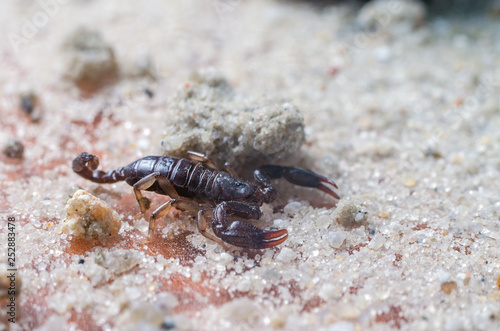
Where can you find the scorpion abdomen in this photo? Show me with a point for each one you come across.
(187, 177)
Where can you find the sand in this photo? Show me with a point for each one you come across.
(403, 116)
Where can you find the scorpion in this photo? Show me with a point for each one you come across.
(197, 184)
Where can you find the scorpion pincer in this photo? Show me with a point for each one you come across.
(197, 184)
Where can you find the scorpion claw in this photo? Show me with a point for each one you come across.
(294, 175)
(328, 190)
(273, 238)
(327, 180)
(308, 178)
(243, 234)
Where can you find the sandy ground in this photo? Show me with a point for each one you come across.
(404, 119)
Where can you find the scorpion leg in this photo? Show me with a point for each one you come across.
(159, 212)
(240, 233)
(295, 175)
(202, 226)
(183, 204)
(164, 209)
(147, 182)
(195, 156)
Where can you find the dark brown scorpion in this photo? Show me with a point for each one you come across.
(197, 184)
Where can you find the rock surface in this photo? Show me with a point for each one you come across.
(207, 116)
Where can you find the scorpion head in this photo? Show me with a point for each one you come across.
(230, 188)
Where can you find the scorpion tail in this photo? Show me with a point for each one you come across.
(86, 164)
(243, 234)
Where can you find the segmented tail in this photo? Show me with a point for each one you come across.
(86, 164)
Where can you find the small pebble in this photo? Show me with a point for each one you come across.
(377, 241)
(226, 258)
(292, 208)
(328, 292)
(359, 216)
(335, 239)
(272, 274)
(409, 181)
(27, 103)
(149, 93)
(323, 221)
(442, 275)
(13, 149)
(277, 320)
(449, 286)
(243, 286)
(168, 324)
(30, 105)
(91, 60)
(286, 255)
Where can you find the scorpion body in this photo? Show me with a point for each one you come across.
(197, 184)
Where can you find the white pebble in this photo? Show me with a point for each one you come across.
(292, 208)
(119, 261)
(286, 255)
(359, 216)
(243, 286)
(442, 275)
(377, 241)
(335, 239)
(226, 258)
(323, 221)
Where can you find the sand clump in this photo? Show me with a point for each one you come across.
(211, 119)
(350, 214)
(90, 217)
